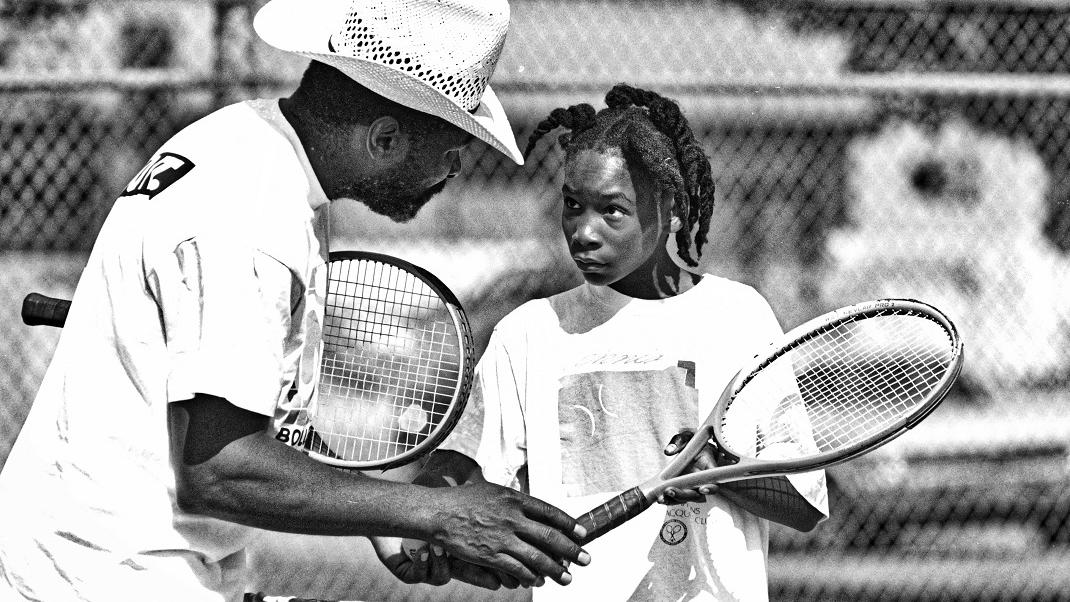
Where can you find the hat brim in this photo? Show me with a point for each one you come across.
(304, 27)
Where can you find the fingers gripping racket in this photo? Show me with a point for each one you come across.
(830, 390)
(398, 357)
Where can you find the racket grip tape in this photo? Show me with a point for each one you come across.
(39, 310)
(614, 513)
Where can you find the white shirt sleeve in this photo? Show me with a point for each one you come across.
(226, 311)
(789, 426)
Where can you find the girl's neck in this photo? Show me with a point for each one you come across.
(659, 280)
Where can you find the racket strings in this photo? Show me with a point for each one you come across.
(841, 386)
(865, 393)
(391, 362)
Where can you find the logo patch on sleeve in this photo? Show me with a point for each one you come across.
(161, 172)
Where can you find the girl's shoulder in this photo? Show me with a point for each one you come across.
(529, 315)
(725, 290)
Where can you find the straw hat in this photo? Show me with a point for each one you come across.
(435, 56)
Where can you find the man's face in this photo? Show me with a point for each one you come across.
(401, 190)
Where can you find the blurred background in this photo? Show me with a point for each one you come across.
(861, 148)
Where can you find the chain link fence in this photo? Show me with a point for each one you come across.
(862, 148)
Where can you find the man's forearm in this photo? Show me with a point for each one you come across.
(228, 466)
(259, 482)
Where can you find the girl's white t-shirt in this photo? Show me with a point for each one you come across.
(585, 390)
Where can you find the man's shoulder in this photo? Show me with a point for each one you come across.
(232, 174)
(227, 156)
(236, 140)
(238, 159)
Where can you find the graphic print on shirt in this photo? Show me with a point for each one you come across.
(162, 171)
(673, 531)
(294, 427)
(615, 421)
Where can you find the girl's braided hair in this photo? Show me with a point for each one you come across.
(652, 134)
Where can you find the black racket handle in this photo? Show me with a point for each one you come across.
(39, 310)
(614, 513)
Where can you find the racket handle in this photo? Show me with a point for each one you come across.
(39, 310)
(614, 513)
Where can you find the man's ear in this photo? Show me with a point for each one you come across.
(384, 141)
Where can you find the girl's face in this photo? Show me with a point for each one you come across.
(613, 223)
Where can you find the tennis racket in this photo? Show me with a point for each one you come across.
(830, 390)
(398, 357)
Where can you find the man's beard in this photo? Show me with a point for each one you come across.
(392, 198)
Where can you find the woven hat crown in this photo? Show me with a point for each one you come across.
(450, 45)
(434, 56)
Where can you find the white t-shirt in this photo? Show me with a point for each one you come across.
(586, 389)
(207, 277)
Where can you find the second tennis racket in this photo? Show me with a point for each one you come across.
(830, 390)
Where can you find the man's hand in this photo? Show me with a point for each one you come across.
(425, 565)
(709, 457)
(506, 531)
(413, 561)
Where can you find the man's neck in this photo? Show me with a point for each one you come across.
(311, 142)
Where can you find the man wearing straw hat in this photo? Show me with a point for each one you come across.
(148, 463)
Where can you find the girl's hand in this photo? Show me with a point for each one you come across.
(708, 457)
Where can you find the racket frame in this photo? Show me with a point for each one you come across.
(620, 508)
(464, 374)
(745, 468)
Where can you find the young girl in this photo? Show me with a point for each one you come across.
(578, 394)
